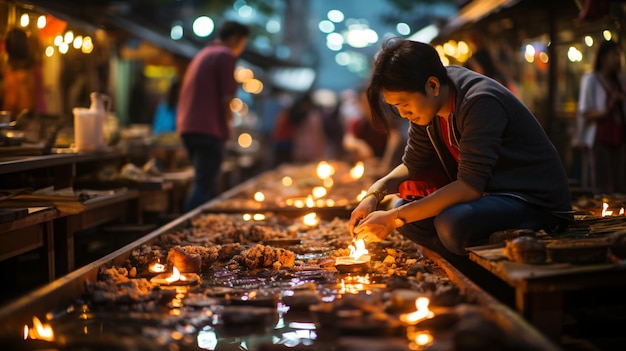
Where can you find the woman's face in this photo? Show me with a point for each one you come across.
(414, 106)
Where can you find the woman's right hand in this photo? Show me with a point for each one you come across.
(365, 207)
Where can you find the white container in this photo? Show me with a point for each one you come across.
(89, 123)
(88, 129)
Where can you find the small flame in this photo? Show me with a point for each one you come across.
(325, 170)
(357, 171)
(157, 267)
(287, 181)
(621, 211)
(39, 331)
(176, 276)
(258, 217)
(361, 195)
(259, 196)
(311, 219)
(247, 217)
(422, 312)
(319, 191)
(606, 212)
(299, 203)
(309, 201)
(330, 202)
(358, 249)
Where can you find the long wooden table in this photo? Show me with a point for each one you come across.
(540, 290)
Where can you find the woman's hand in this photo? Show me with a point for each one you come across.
(376, 226)
(364, 208)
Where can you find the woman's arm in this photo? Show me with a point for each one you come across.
(379, 224)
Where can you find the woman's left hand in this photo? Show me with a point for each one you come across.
(376, 226)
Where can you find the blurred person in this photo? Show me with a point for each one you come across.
(299, 135)
(468, 168)
(203, 115)
(165, 115)
(327, 105)
(22, 74)
(600, 122)
(367, 142)
(482, 62)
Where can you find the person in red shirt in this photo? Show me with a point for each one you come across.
(203, 116)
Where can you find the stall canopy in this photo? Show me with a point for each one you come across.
(116, 15)
(474, 11)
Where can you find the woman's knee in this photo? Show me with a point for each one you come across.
(450, 231)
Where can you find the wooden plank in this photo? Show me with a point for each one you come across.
(21, 241)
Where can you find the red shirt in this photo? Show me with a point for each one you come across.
(208, 84)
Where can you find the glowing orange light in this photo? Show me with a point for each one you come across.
(325, 170)
(175, 276)
(39, 331)
(157, 267)
(422, 312)
(357, 171)
(311, 219)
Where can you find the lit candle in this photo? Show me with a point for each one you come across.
(422, 312)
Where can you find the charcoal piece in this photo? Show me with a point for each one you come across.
(417, 267)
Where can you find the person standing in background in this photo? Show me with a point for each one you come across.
(165, 115)
(203, 117)
(600, 120)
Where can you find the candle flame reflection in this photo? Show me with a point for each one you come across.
(422, 312)
(39, 331)
(354, 284)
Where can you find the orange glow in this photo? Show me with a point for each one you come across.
(358, 249)
(311, 219)
(361, 195)
(357, 171)
(354, 284)
(157, 267)
(176, 276)
(325, 170)
(39, 331)
(319, 191)
(259, 196)
(309, 201)
(422, 312)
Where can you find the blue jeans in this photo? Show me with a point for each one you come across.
(206, 154)
(470, 224)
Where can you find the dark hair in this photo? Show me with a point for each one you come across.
(402, 65)
(604, 49)
(231, 29)
(300, 108)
